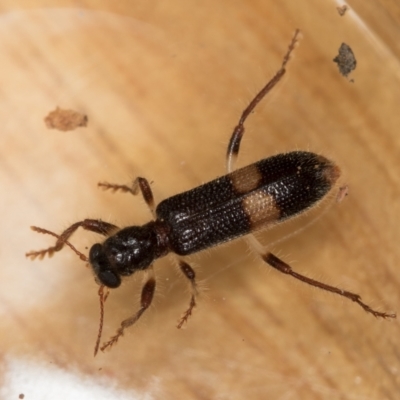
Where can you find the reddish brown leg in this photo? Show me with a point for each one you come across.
(138, 184)
(189, 273)
(145, 302)
(93, 225)
(236, 138)
(281, 266)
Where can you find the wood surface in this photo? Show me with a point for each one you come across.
(163, 84)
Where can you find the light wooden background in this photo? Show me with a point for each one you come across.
(163, 84)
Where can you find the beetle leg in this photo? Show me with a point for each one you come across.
(93, 225)
(145, 301)
(138, 184)
(285, 268)
(237, 134)
(189, 273)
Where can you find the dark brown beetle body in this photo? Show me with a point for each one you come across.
(239, 203)
(254, 197)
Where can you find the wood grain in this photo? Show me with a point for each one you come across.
(163, 84)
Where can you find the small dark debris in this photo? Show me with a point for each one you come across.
(21, 396)
(345, 60)
(65, 120)
(342, 10)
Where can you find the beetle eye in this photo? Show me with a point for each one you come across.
(109, 279)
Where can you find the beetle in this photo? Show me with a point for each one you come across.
(239, 203)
